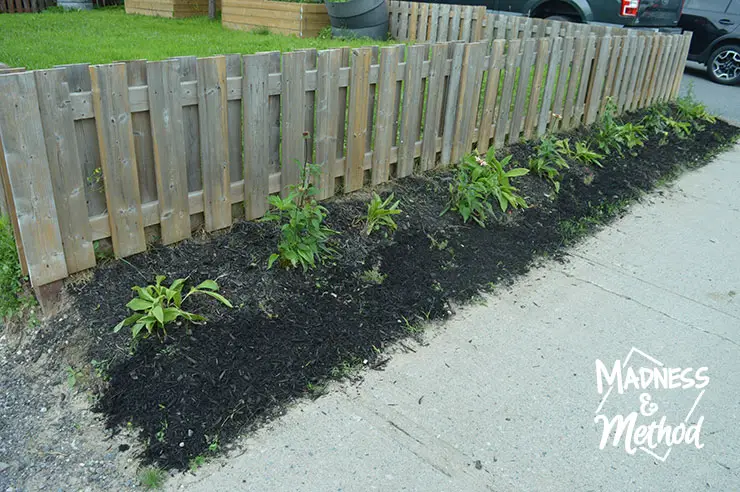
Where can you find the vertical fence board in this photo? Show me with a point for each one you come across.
(467, 21)
(621, 96)
(450, 110)
(29, 178)
(136, 76)
(234, 122)
(583, 84)
(10, 202)
(495, 64)
(256, 127)
(502, 120)
(671, 68)
(413, 21)
(371, 101)
(575, 72)
(455, 23)
(468, 98)
(386, 113)
(118, 158)
(642, 71)
(191, 126)
(343, 92)
(615, 54)
(410, 116)
(78, 79)
(645, 98)
(434, 23)
(421, 32)
(310, 107)
(552, 71)
(444, 23)
(327, 116)
(635, 73)
(619, 74)
(357, 118)
(432, 118)
(166, 116)
(686, 37)
(67, 181)
(214, 143)
(543, 52)
(292, 118)
(525, 69)
(565, 70)
(596, 85)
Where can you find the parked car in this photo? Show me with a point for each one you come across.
(629, 13)
(715, 25)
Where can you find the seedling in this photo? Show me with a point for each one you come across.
(152, 478)
(157, 305)
(380, 214)
(478, 182)
(581, 153)
(373, 276)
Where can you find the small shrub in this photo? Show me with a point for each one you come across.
(478, 182)
(157, 305)
(380, 214)
(549, 160)
(304, 236)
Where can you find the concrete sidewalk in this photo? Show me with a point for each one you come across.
(504, 396)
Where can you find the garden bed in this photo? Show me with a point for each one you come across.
(290, 331)
(291, 18)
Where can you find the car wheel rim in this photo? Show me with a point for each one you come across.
(726, 65)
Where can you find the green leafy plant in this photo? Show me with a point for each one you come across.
(692, 111)
(380, 214)
(478, 182)
(612, 136)
(581, 152)
(549, 159)
(157, 305)
(658, 121)
(373, 276)
(304, 236)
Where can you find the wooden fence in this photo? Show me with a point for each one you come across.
(137, 151)
(15, 6)
(433, 22)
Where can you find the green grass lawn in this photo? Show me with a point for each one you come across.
(106, 35)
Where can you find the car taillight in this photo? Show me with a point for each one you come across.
(629, 8)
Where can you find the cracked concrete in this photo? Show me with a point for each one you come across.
(503, 396)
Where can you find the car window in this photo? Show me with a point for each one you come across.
(734, 7)
(708, 5)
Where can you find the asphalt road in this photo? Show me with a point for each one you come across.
(720, 99)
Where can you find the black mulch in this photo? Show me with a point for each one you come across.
(290, 328)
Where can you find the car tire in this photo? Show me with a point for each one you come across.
(560, 18)
(723, 65)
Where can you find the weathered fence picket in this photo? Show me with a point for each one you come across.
(128, 151)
